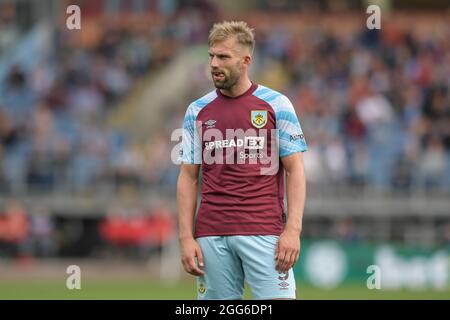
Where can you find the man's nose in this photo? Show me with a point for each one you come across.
(214, 62)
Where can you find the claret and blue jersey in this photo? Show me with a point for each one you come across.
(235, 139)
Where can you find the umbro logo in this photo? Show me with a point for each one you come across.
(283, 285)
(210, 124)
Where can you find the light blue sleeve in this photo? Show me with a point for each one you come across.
(290, 134)
(191, 146)
(191, 149)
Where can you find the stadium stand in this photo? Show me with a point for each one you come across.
(374, 107)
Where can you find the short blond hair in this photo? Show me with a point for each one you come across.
(239, 29)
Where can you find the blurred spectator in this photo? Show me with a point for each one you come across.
(42, 241)
(138, 232)
(128, 165)
(346, 231)
(431, 169)
(377, 115)
(446, 234)
(14, 230)
(10, 31)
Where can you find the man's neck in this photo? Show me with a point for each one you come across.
(240, 88)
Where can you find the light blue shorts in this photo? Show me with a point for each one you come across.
(229, 260)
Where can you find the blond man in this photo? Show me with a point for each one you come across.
(243, 137)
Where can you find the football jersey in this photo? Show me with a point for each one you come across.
(239, 142)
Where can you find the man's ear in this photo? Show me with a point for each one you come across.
(247, 59)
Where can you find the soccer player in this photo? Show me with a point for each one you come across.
(232, 134)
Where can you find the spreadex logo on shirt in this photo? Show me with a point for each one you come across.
(250, 143)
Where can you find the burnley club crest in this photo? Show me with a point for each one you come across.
(259, 118)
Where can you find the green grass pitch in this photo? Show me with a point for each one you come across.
(154, 290)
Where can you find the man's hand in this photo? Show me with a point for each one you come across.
(189, 250)
(287, 250)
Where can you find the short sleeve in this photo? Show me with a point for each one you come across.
(290, 134)
(191, 149)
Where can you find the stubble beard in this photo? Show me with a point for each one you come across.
(229, 80)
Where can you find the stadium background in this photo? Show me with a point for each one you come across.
(86, 118)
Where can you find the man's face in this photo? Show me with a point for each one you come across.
(226, 60)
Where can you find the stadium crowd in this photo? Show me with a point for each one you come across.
(139, 232)
(55, 136)
(374, 106)
(54, 128)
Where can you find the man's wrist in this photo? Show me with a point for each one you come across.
(294, 229)
(183, 237)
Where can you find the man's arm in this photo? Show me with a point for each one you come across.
(187, 203)
(288, 247)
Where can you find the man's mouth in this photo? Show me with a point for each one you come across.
(218, 76)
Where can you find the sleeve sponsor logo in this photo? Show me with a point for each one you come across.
(295, 137)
